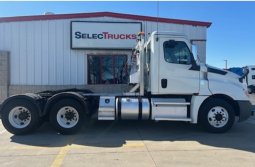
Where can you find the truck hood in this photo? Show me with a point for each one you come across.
(231, 74)
(225, 77)
(222, 72)
(222, 82)
(216, 70)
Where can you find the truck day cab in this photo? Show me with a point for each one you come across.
(169, 85)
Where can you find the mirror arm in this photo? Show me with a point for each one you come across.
(193, 63)
(244, 75)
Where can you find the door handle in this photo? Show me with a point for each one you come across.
(163, 83)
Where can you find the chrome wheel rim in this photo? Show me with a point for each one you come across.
(19, 117)
(67, 117)
(218, 117)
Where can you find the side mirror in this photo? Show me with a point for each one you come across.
(246, 72)
(194, 51)
(194, 59)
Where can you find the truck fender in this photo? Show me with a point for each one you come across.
(196, 102)
(35, 99)
(74, 95)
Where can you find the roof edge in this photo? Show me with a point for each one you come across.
(103, 14)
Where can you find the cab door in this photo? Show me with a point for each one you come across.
(175, 73)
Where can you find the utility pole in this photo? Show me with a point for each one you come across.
(226, 63)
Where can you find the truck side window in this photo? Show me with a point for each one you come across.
(176, 52)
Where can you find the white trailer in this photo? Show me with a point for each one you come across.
(169, 85)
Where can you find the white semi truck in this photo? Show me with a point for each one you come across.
(169, 85)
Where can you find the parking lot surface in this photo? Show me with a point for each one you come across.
(131, 143)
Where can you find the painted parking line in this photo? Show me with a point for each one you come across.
(59, 159)
(61, 155)
(2, 132)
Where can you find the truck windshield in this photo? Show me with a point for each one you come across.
(176, 52)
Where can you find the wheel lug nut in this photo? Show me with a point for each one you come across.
(15, 116)
(62, 116)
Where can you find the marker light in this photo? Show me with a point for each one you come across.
(247, 94)
(141, 33)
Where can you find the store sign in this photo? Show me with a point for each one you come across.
(104, 35)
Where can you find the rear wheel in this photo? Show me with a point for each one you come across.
(20, 116)
(67, 116)
(216, 116)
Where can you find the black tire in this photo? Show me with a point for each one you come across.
(67, 103)
(34, 116)
(250, 89)
(204, 121)
(86, 91)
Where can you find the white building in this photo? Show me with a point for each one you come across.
(85, 50)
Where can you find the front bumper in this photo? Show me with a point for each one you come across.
(245, 110)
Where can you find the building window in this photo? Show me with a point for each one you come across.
(253, 76)
(176, 52)
(252, 68)
(107, 69)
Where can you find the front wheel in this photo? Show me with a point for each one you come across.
(67, 116)
(216, 116)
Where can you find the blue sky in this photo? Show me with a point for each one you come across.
(231, 36)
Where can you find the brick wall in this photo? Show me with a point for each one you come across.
(4, 75)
